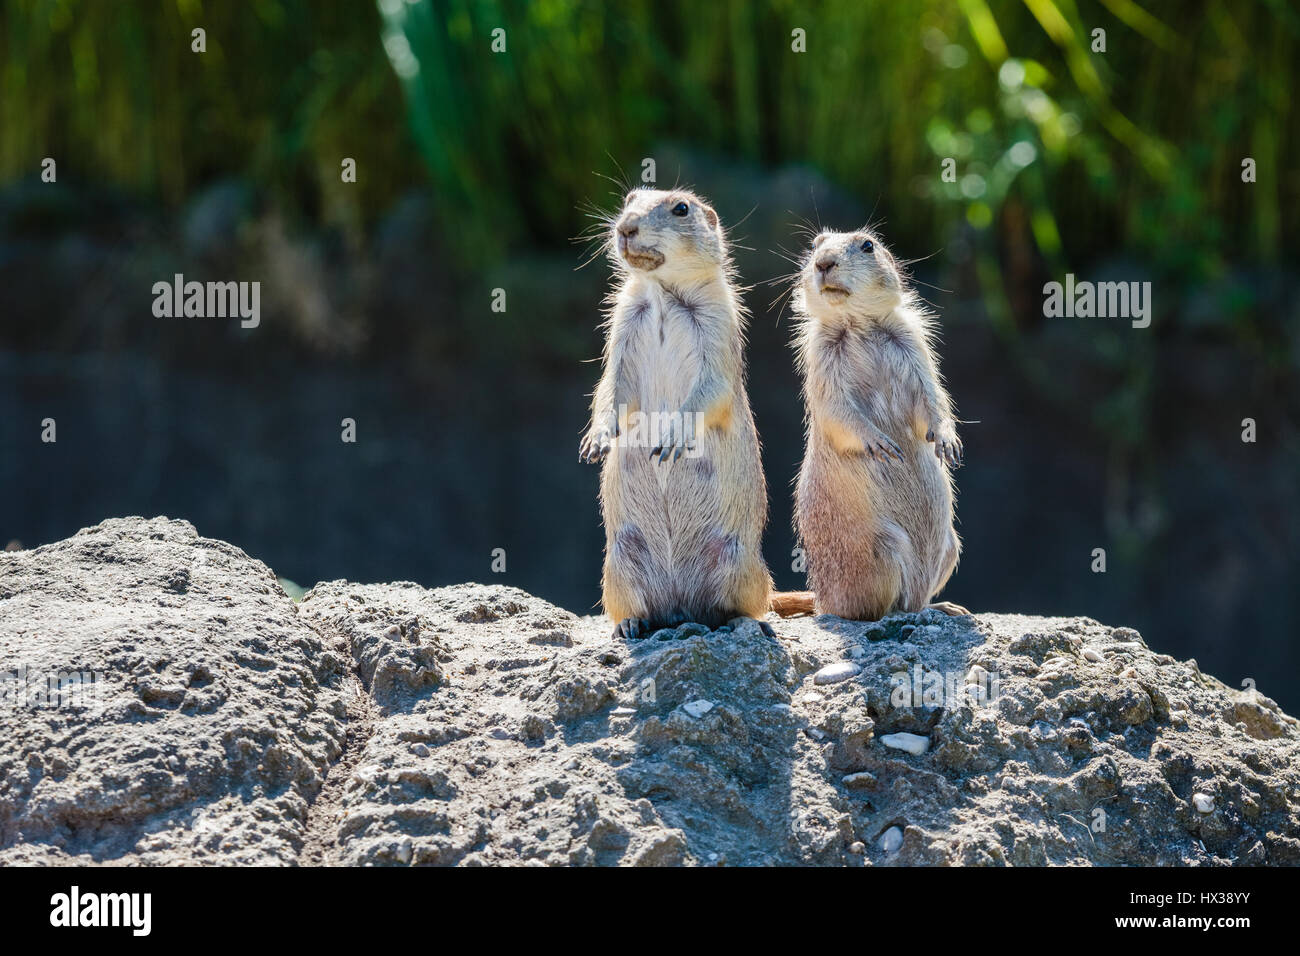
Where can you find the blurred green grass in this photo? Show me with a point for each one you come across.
(1067, 159)
(1137, 148)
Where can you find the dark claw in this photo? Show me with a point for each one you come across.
(767, 628)
(593, 450)
(632, 628)
(883, 451)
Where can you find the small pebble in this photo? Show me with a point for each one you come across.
(815, 734)
(891, 840)
(1092, 654)
(912, 743)
(420, 750)
(859, 781)
(622, 712)
(857, 848)
(906, 631)
(834, 673)
(1203, 802)
(698, 708)
(1178, 717)
(1129, 672)
(500, 733)
(976, 675)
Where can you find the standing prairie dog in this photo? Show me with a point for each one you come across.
(681, 490)
(874, 504)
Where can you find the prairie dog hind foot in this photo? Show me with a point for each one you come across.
(949, 608)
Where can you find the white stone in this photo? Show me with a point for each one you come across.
(698, 708)
(623, 712)
(1203, 802)
(834, 673)
(1092, 654)
(891, 840)
(912, 743)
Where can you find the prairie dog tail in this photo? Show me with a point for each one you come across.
(790, 603)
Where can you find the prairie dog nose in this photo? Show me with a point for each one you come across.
(825, 265)
(627, 228)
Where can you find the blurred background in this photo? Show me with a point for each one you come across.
(476, 169)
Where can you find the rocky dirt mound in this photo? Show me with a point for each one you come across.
(478, 725)
(191, 718)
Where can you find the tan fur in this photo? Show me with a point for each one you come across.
(683, 525)
(874, 502)
(792, 603)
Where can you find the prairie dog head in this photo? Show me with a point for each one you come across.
(671, 236)
(849, 274)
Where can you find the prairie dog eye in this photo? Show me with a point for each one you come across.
(868, 245)
(681, 209)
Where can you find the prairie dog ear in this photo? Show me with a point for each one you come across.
(821, 237)
(710, 216)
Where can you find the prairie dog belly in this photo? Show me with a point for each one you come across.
(663, 356)
(874, 531)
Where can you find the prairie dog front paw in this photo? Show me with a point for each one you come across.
(596, 444)
(947, 446)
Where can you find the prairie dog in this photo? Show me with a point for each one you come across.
(874, 502)
(682, 492)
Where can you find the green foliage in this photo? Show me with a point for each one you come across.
(1138, 147)
(285, 90)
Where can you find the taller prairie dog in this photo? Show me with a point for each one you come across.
(874, 502)
(682, 492)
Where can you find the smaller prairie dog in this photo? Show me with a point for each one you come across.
(874, 502)
(682, 492)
